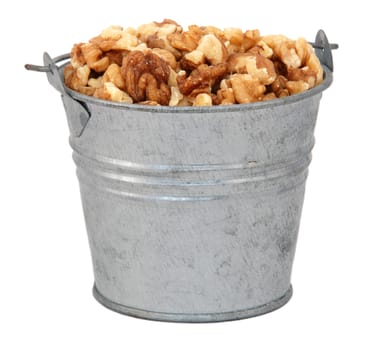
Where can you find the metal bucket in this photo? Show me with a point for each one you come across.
(192, 213)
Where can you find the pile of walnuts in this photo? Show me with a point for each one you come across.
(162, 64)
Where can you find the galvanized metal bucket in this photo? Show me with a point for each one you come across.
(192, 213)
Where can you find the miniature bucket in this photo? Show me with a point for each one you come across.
(192, 213)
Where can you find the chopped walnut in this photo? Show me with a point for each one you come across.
(113, 74)
(304, 74)
(93, 56)
(251, 37)
(309, 59)
(163, 64)
(237, 63)
(209, 47)
(156, 35)
(111, 92)
(261, 68)
(146, 77)
(175, 96)
(112, 33)
(96, 82)
(261, 48)
(269, 96)
(172, 80)
(192, 60)
(77, 57)
(116, 56)
(123, 41)
(254, 64)
(203, 100)
(186, 41)
(140, 47)
(126, 42)
(163, 29)
(167, 56)
(246, 88)
(300, 60)
(234, 38)
(203, 77)
(76, 78)
(279, 86)
(295, 87)
(214, 30)
(86, 90)
(226, 96)
(285, 49)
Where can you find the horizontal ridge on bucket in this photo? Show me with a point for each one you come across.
(191, 185)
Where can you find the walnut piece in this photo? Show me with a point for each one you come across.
(209, 47)
(285, 49)
(112, 33)
(305, 74)
(75, 78)
(115, 56)
(261, 48)
(113, 74)
(115, 39)
(295, 87)
(77, 57)
(201, 79)
(93, 56)
(156, 35)
(96, 82)
(279, 86)
(246, 88)
(234, 39)
(254, 64)
(269, 96)
(186, 41)
(309, 59)
(111, 92)
(146, 77)
(175, 96)
(226, 96)
(203, 100)
(167, 56)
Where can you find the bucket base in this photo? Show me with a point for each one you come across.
(192, 318)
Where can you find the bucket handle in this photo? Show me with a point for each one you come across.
(77, 114)
(323, 49)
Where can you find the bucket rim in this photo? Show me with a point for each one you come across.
(327, 81)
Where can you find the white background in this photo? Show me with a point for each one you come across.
(46, 275)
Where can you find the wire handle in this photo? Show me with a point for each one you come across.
(46, 69)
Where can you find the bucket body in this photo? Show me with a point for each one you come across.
(193, 213)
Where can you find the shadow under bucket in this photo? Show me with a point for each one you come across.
(192, 213)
